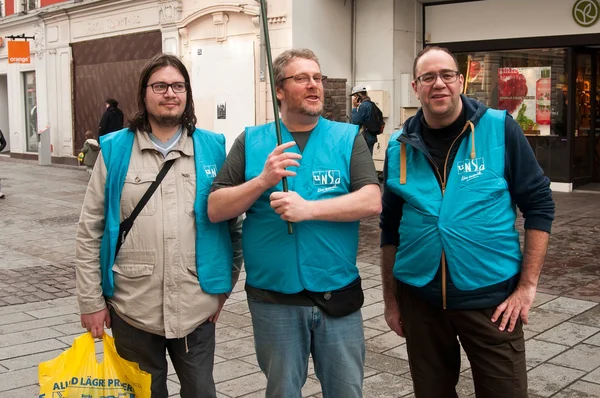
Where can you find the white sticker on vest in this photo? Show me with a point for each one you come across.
(326, 180)
(210, 170)
(470, 168)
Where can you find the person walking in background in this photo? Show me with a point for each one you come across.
(112, 119)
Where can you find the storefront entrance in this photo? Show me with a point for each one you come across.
(586, 131)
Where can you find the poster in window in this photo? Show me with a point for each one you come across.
(476, 72)
(525, 93)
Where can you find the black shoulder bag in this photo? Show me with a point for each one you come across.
(128, 222)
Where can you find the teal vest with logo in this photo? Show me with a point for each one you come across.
(320, 255)
(214, 256)
(473, 222)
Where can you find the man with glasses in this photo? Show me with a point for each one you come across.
(303, 289)
(452, 268)
(164, 289)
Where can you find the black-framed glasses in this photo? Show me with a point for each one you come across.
(162, 87)
(304, 79)
(447, 76)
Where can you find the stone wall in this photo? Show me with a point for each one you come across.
(335, 100)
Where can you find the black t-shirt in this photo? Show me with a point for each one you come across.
(362, 173)
(439, 141)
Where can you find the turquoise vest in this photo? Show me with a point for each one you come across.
(214, 256)
(320, 255)
(473, 223)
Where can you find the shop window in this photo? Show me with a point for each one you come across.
(531, 85)
(30, 112)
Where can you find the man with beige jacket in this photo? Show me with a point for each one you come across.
(163, 287)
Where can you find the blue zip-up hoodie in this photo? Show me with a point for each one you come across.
(527, 186)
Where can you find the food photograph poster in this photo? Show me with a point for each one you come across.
(525, 93)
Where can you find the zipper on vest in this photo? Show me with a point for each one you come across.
(444, 181)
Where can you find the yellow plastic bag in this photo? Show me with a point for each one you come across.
(76, 373)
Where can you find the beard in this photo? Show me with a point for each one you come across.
(314, 111)
(167, 121)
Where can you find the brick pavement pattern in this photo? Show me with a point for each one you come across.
(39, 315)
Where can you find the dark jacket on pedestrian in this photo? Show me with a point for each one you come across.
(112, 120)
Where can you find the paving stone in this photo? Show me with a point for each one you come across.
(70, 328)
(235, 320)
(29, 391)
(372, 311)
(568, 333)
(235, 348)
(14, 318)
(378, 323)
(537, 351)
(54, 311)
(231, 369)
(230, 333)
(173, 388)
(568, 305)
(372, 296)
(371, 282)
(384, 342)
(590, 317)
(398, 352)
(541, 320)
(386, 363)
(39, 323)
(386, 385)
(580, 389)
(239, 308)
(243, 385)
(595, 340)
(370, 332)
(28, 361)
(18, 379)
(593, 377)
(529, 334)
(28, 336)
(542, 298)
(548, 379)
(582, 357)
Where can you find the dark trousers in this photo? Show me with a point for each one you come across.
(433, 338)
(193, 365)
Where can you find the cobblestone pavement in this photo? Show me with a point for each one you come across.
(39, 315)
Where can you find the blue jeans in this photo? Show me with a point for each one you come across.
(285, 335)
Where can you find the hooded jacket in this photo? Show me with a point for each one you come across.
(514, 177)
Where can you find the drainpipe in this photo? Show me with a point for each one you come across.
(353, 43)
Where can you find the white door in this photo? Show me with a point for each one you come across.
(223, 87)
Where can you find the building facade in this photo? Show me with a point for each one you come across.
(543, 69)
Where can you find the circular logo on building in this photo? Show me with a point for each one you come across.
(586, 12)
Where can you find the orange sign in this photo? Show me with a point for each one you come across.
(18, 52)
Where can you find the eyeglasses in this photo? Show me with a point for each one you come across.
(305, 79)
(161, 87)
(429, 79)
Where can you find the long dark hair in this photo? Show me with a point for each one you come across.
(140, 119)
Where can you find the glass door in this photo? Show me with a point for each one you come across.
(585, 124)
